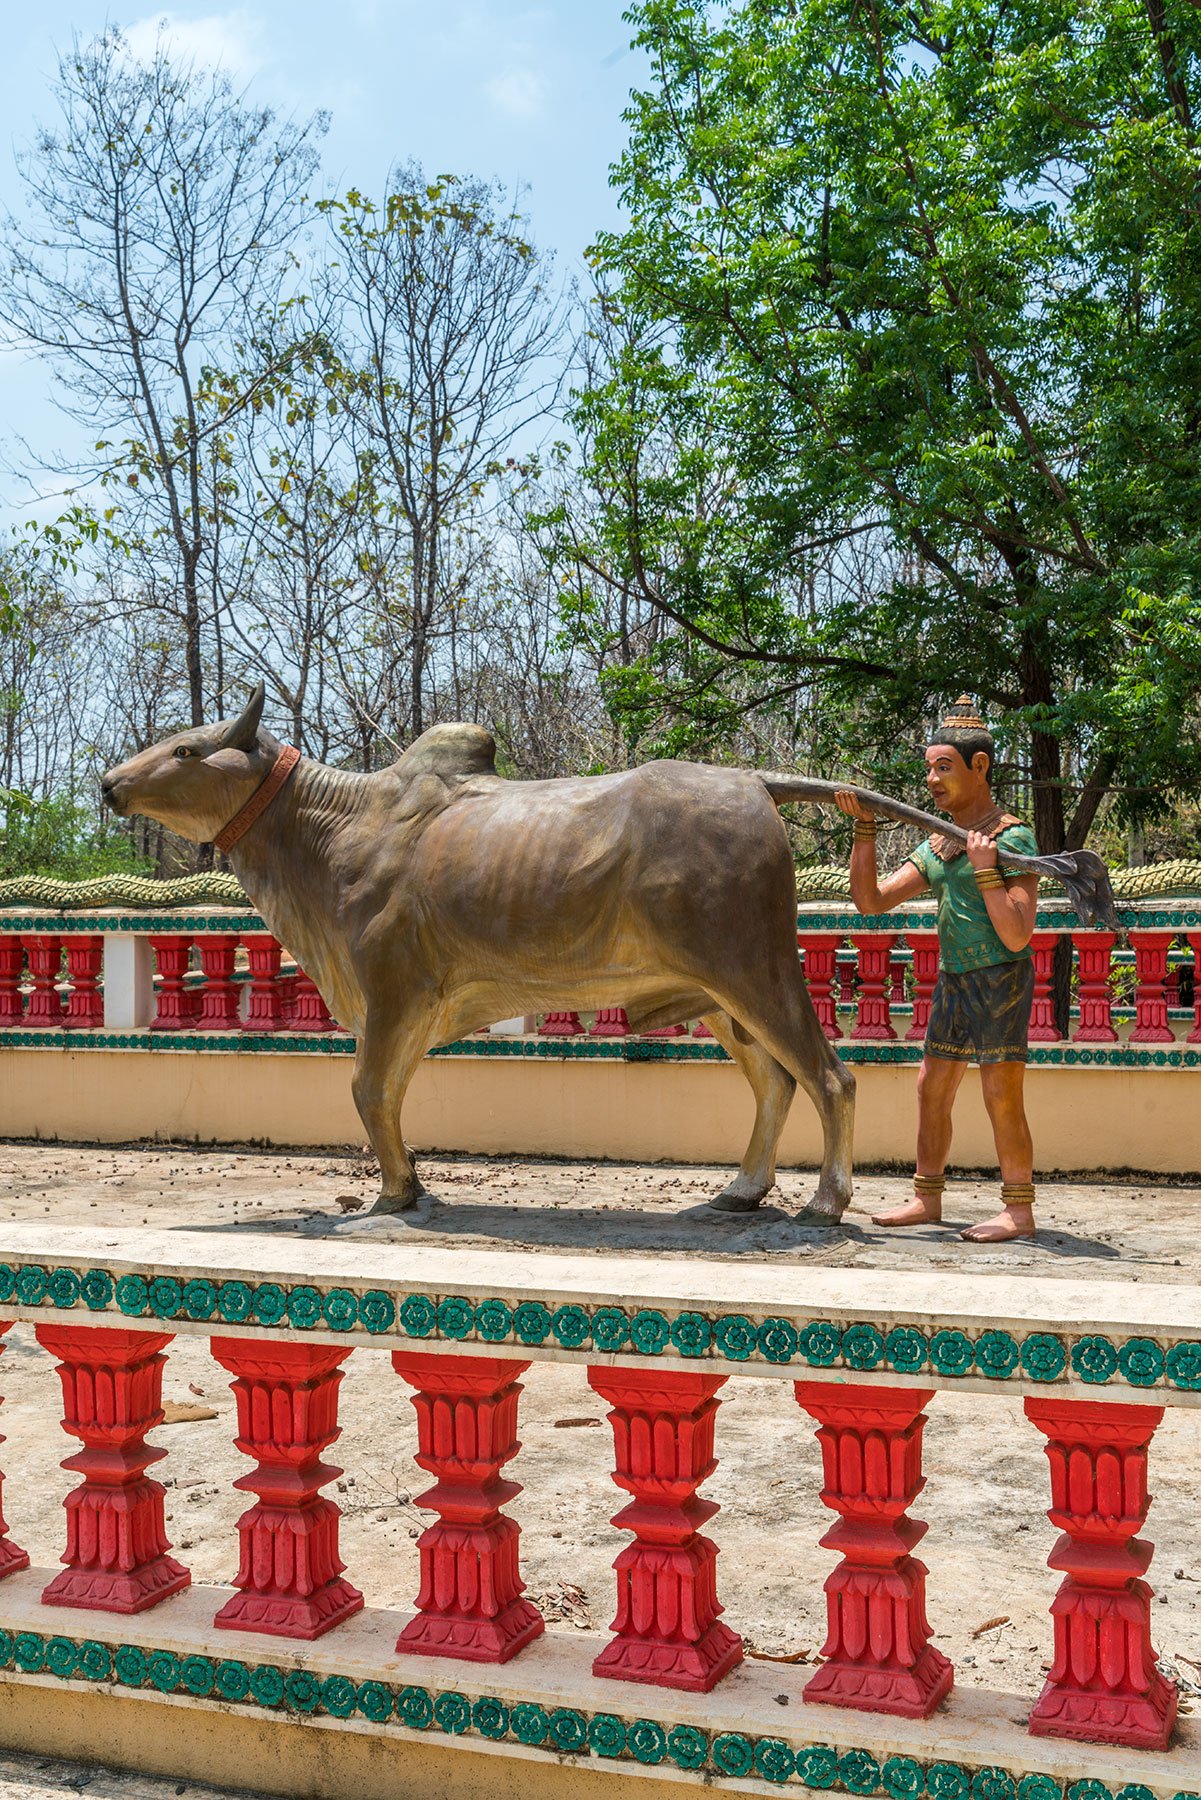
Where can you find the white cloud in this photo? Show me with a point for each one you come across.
(518, 93)
(232, 41)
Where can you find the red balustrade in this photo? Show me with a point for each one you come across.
(611, 1022)
(116, 1556)
(44, 952)
(877, 1655)
(218, 1009)
(12, 1557)
(470, 1603)
(1104, 1687)
(264, 1002)
(666, 1031)
(85, 1002)
(924, 947)
(820, 950)
(1150, 999)
(173, 1004)
(290, 1573)
(12, 964)
(1093, 952)
(1043, 1029)
(1194, 938)
(667, 1630)
(874, 952)
(309, 1011)
(560, 1024)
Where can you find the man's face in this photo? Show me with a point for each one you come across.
(952, 784)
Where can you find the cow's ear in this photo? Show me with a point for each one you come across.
(242, 733)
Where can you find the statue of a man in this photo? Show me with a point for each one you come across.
(981, 1006)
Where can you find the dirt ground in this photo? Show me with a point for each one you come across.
(989, 1587)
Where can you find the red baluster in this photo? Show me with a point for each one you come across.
(218, 1008)
(12, 963)
(173, 1010)
(12, 1557)
(877, 1655)
(701, 1030)
(469, 1605)
(667, 1630)
(290, 1573)
(667, 1031)
(117, 1545)
(924, 946)
(611, 1021)
(560, 1024)
(1194, 938)
(1093, 951)
(1104, 1687)
(1171, 985)
(1043, 1029)
(309, 1011)
(875, 953)
(45, 955)
(264, 1005)
(1150, 999)
(85, 1003)
(821, 961)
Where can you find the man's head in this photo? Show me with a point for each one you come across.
(959, 761)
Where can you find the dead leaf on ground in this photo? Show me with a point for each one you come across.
(782, 1656)
(566, 1424)
(991, 1625)
(349, 1202)
(184, 1412)
(194, 1389)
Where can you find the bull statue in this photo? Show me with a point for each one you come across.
(433, 897)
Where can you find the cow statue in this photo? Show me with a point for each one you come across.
(434, 896)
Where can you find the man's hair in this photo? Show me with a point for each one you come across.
(968, 741)
(964, 730)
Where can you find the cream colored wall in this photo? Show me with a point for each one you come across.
(1082, 1119)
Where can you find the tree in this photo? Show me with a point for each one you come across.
(926, 275)
(449, 336)
(161, 212)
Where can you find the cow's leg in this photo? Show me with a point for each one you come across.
(773, 1005)
(773, 1088)
(389, 1052)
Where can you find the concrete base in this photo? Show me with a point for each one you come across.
(316, 1757)
(1083, 1119)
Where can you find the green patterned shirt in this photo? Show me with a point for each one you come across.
(967, 938)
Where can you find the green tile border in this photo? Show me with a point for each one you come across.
(863, 1347)
(561, 1731)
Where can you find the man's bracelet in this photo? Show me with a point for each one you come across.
(989, 878)
(865, 831)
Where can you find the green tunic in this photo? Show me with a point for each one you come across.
(967, 938)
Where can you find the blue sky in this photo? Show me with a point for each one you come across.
(531, 93)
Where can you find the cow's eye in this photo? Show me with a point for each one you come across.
(182, 751)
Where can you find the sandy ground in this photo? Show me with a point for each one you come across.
(987, 1489)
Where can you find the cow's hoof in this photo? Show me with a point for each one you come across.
(396, 1203)
(730, 1202)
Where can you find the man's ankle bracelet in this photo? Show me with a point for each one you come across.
(929, 1187)
(1017, 1193)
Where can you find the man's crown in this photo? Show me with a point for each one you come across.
(963, 716)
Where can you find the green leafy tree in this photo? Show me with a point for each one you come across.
(925, 278)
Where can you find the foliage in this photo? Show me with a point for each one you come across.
(59, 836)
(926, 277)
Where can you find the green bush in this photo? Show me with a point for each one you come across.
(59, 836)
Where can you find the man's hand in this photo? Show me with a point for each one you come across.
(853, 807)
(981, 850)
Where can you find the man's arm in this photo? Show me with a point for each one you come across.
(868, 892)
(1012, 905)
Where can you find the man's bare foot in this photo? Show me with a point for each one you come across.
(913, 1212)
(1011, 1222)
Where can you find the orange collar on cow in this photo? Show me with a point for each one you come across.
(260, 800)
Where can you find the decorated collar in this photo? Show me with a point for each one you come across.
(260, 800)
(947, 848)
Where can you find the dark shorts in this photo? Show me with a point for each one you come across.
(983, 1015)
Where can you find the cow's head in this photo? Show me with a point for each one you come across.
(197, 780)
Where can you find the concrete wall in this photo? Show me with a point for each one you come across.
(1082, 1118)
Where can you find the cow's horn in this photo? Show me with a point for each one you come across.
(243, 733)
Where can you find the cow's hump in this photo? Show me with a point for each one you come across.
(455, 752)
